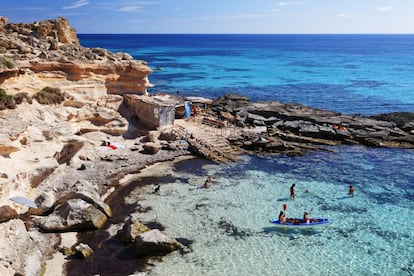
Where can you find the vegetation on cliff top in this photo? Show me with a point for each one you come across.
(49, 95)
(6, 101)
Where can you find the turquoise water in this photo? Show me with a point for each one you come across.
(372, 232)
(363, 74)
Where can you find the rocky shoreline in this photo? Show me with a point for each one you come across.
(76, 156)
(292, 128)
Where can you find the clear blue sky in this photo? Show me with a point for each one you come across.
(220, 16)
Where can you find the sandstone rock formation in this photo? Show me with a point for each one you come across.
(48, 53)
(54, 153)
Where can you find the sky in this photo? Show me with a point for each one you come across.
(220, 16)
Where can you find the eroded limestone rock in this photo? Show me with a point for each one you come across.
(132, 228)
(73, 215)
(18, 253)
(154, 242)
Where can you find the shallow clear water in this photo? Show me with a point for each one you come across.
(371, 233)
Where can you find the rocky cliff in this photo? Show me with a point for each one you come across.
(63, 148)
(48, 53)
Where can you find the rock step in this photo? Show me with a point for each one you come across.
(208, 142)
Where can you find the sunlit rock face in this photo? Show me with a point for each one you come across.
(48, 53)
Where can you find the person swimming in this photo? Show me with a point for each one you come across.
(206, 184)
(351, 190)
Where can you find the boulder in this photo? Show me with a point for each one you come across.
(46, 199)
(88, 192)
(18, 253)
(7, 213)
(150, 148)
(73, 215)
(154, 242)
(132, 228)
(82, 250)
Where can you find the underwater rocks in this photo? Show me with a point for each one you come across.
(145, 241)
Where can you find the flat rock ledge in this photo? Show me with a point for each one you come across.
(292, 128)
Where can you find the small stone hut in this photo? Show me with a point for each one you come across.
(152, 111)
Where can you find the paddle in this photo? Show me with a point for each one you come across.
(284, 206)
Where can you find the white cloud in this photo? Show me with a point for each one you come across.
(280, 4)
(384, 8)
(77, 4)
(131, 8)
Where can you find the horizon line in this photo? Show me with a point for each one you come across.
(246, 33)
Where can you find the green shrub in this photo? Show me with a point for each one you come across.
(49, 95)
(20, 97)
(7, 63)
(6, 101)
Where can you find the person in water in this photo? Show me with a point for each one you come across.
(156, 189)
(351, 190)
(292, 191)
(206, 184)
(306, 218)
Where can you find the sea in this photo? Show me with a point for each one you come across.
(226, 228)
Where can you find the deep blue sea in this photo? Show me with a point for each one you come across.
(372, 233)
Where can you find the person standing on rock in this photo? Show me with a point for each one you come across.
(292, 191)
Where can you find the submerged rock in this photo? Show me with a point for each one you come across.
(154, 242)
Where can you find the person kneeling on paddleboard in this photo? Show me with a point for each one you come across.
(282, 217)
